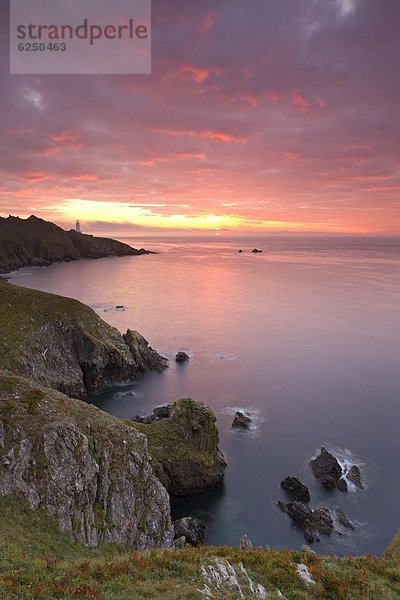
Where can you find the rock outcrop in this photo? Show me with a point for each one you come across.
(35, 242)
(354, 475)
(327, 469)
(241, 421)
(185, 448)
(315, 522)
(88, 470)
(296, 489)
(145, 358)
(159, 413)
(193, 530)
(64, 344)
(182, 357)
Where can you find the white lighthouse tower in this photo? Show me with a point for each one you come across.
(78, 227)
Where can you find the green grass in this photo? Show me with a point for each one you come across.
(36, 561)
(24, 311)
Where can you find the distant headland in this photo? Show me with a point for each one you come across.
(35, 242)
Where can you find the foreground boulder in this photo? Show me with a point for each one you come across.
(327, 469)
(296, 489)
(88, 470)
(241, 421)
(191, 529)
(63, 344)
(185, 448)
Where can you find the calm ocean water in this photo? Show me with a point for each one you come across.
(306, 337)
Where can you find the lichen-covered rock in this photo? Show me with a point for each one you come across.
(185, 448)
(64, 344)
(88, 470)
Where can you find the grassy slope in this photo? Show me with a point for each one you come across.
(22, 311)
(38, 562)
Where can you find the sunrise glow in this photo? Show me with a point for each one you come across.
(248, 127)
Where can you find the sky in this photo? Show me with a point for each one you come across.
(259, 116)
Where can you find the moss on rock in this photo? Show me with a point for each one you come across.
(185, 448)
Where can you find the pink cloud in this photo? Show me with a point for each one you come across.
(219, 136)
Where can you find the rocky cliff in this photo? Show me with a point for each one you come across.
(65, 345)
(185, 448)
(90, 471)
(33, 241)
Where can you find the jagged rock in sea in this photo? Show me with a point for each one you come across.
(185, 448)
(88, 470)
(342, 485)
(182, 357)
(313, 522)
(64, 344)
(343, 519)
(354, 475)
(191, 529)
(326, 468)
(241, 421)
(296, 489)
(256, 251)
(35, 242)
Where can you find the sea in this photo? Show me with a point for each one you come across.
(304, 337)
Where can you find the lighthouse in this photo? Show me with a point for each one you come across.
(78, 227)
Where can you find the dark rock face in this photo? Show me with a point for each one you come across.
(159, 413)
(35, 242)
(185, 449)
(241, 421)
(342, 485)
(354, 475)
(296, 489)
(326, 468)
(299, 513)
(193, 530)
(182, 357)
(329, 482)
(314, 522)
(343, 520)
(146, 359)
(240, 251)
(86, 469)
(282, 506)
(256, 251)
